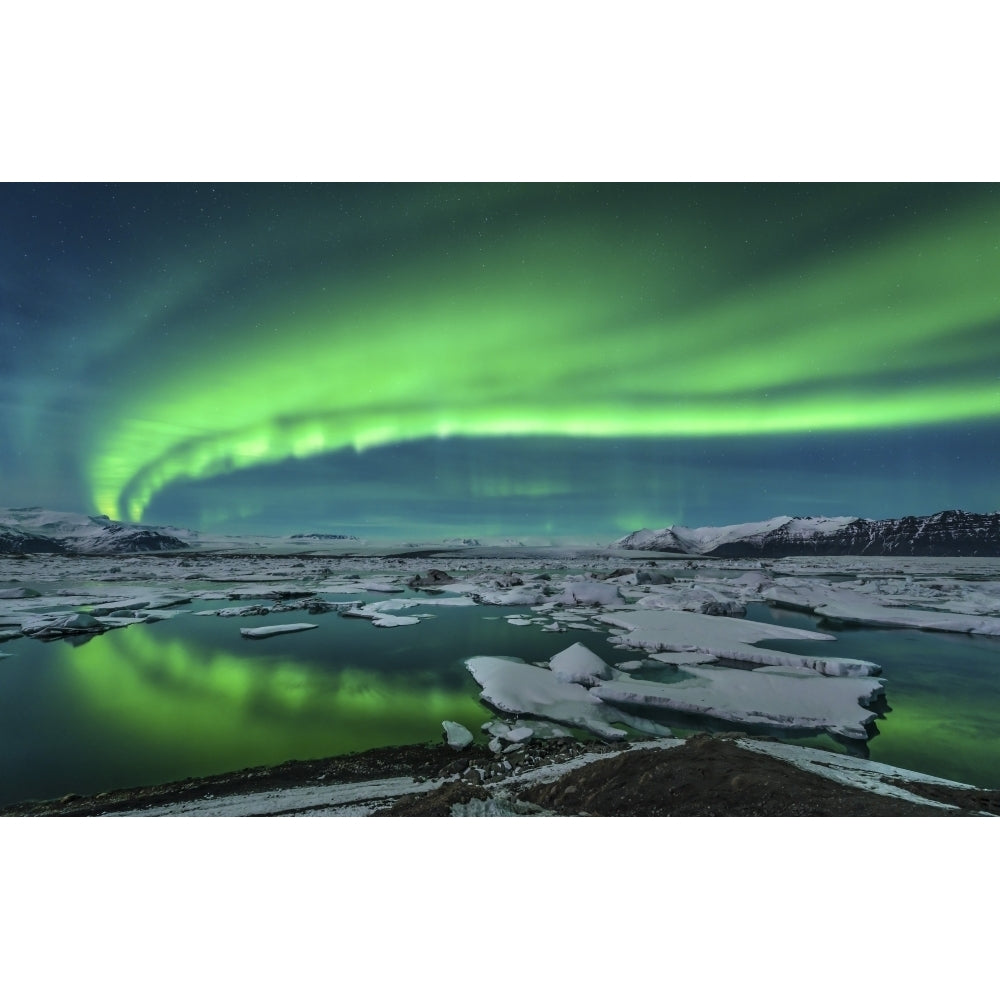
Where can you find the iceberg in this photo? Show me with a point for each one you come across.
(269, 630)
(517, 688)
(578, 665)
(787, 698)
(725, 638)
(59, 626)
(456, 735)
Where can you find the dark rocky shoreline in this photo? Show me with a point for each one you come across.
(708, 775)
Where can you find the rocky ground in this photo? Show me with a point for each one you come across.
(707, 775)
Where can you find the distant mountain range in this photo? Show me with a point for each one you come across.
(947, 533)
(34, 529)
(322, 536)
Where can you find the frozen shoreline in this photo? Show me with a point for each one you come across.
(684, 616)
(757, 778)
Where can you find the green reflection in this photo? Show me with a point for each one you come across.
(198, 704)
(943, 735)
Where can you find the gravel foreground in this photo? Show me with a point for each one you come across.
(705, 775)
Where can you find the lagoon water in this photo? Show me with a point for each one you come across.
(192, 697)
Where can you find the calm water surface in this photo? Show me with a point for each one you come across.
(191, 697)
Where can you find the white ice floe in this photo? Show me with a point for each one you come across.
(58, 626)
(379, 619)
(882, 606)
(269, 630)
(378, 612)
(865, 613)
(18, 593)
(527, 594)
(395, 621)
(405, 603)
(589, 593)
(691, 597)
(521, 688)
(111, 607)
(579, 665)
(725, 638)
(679, 659)
(792, 698)
(524, 730)
(457, 736)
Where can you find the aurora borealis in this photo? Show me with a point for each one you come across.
(500, 360)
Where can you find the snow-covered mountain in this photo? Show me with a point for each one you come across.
(323, 536)
(34, 529)
(947, 533)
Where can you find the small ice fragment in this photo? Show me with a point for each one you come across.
(457, 735)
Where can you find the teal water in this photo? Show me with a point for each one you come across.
(191, 697)
(942, 689)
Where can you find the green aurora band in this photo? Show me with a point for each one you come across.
(577, 331)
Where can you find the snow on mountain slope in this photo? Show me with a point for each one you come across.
(37, 529)
(702, 540)
(946, 533)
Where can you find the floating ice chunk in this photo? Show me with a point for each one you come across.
(457, 735)
(17, 593)
(394, 621)
(524, 730)
(752, 581)
(579, 665)
(114, 606)
(405, 603)
(878, 603)
(520, 734)
(57, 626)
(528, 594)
(682, 597)
(587, 593)
(379, 619)
(521, 688)
(680, 659)
(861, 612)
(269, 630)
(725, 638)
(788, 698)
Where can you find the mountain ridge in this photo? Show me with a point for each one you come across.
(36, 529)
(945, 533)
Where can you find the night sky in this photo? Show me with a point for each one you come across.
(430, 361)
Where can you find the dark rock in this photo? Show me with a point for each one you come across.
(431, 578)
